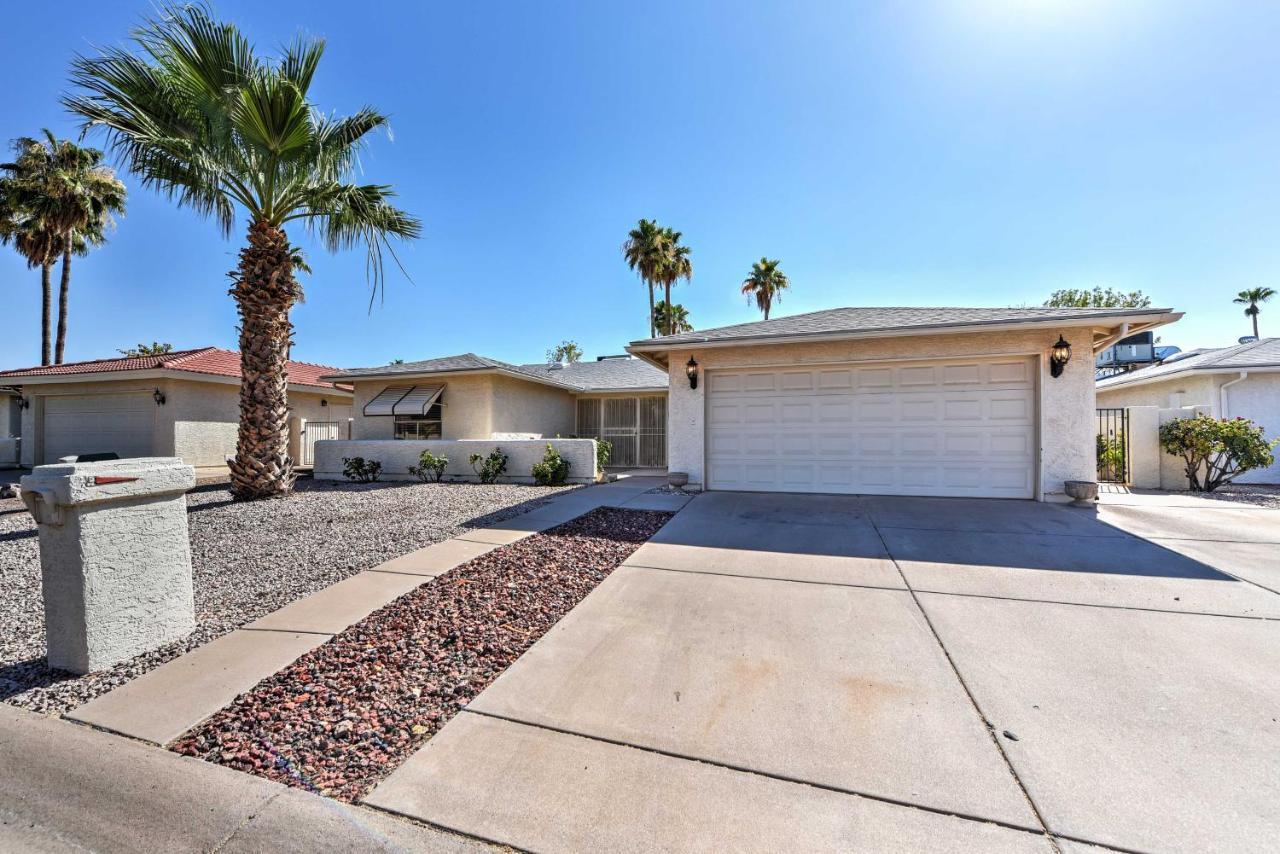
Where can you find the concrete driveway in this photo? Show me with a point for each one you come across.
(814, 672)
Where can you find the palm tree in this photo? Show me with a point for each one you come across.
(198, 116)
(68, 190)
(1251, 298)
(644, 253)
(673, 320)
(676, 265)
(29, 234)
(765, 284)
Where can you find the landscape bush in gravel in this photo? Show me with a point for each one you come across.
(346, 714)
(249, 559)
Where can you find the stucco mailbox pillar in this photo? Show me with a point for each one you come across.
(115, 559)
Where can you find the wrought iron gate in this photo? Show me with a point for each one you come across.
(1113, 445)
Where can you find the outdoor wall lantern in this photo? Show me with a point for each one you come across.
(1059, 356)
(158, 397)
(691, 371)
(24, 403)
(324, 402)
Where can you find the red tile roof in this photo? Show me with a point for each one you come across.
(206, 360)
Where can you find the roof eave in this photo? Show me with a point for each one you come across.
(1149, 320)
(1126, 382)
(152, 374)
(412, 375)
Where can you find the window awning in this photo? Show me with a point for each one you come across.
(404, 400)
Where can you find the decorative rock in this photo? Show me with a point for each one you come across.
(1083, 491)
(115, 558)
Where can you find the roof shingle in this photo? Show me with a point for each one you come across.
(604, 375)
(854, 319)
(1263, 353)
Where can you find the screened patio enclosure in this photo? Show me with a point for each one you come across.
(635, 426)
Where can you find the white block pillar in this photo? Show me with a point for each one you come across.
(1144, 447)
(115, 558)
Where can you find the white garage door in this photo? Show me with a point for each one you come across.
(963, 428)
(96, 423)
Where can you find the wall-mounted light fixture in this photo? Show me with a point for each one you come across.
(158, 397)
(691, 371)
(324, 402)
(1059, 356)
(24, 403)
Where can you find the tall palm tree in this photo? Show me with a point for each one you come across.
(67, 188)
(1251, 298)
(676, 265)
(765, 284)
(643, 251)
(198, 116)
(674, 319)
(39, 246)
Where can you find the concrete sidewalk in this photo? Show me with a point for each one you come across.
(66, 787)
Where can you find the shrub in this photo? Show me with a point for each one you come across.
(490, 468)
(603, 451)
(1216, 451)
(361, 470)
(553, 470)
(430, 468)
(1111, 456)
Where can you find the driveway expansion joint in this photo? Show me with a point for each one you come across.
(982, 715)
(744, 769)
(765, 577)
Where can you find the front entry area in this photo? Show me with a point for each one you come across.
(964, 428)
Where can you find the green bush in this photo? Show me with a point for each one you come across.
(553, 470)
(430, 468)
(1215, 451)
(1111, 456)
(489, 468)
(603, 451)
(361, 470)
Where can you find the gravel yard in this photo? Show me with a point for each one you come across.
(249, 560)
(346, 714)
(1249, 493)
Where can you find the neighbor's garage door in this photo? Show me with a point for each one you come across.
(95, 423)
(964, 428)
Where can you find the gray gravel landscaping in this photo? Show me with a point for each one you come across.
(249, 560)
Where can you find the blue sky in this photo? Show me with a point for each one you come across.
(983, 152)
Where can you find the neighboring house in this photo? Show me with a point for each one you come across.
(1240, 381)
(897, 401)
(182, 404)
(620, 399)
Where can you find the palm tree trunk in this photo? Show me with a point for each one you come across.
(63, 289)
(265, 291)
(1255, 321)
(46, 304)
(667, 296)
(652, 327)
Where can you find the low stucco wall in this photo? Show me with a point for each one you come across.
(397, 455)
(1066, 403)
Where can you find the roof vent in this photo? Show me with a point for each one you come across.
(556, 366)
(611, 358)
(1246, 339)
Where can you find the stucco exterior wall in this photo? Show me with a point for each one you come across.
(1258, 399)
(476, 406)
(530, 410)
(1066, 402)
(397, 456)
(1195, 390)
(197, 422)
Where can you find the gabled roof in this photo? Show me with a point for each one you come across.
(205, 360)
(853, 321)
(1263, 353)
(606, 375)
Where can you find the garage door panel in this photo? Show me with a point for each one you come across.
(963, 428)
(98, 423)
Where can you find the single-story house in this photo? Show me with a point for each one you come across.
(896, 401)
(182, 404)
(1240, 381)
(617, 398)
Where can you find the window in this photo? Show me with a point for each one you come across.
(420, 426)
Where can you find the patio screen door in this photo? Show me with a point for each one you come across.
(635, 426)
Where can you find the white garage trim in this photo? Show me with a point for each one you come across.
(961, 426)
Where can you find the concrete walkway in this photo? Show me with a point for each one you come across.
(68, 788)
(163, 704)
(838, 673)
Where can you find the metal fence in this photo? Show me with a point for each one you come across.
(1113, 445)
(314, 431)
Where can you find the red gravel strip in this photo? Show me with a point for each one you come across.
(346, 714)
